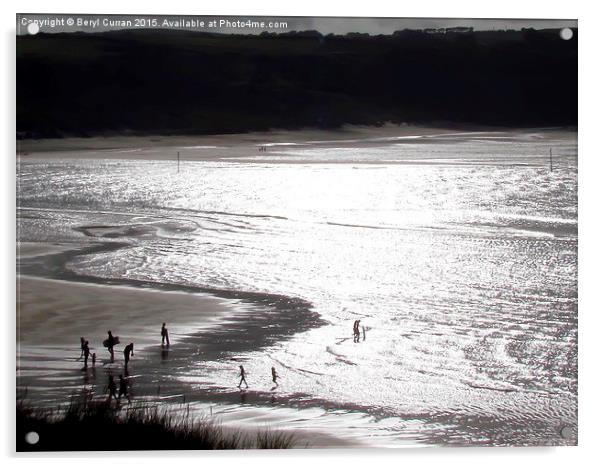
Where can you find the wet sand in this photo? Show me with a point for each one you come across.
(199, 335)
(120, 146)
(255, 146)
(57, 313)
(53, 314)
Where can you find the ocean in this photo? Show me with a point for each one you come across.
(457, 253)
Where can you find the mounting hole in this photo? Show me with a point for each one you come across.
(33, 28)
(32, 437)
(566, 33)
(566, 432)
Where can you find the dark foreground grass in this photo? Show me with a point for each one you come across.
(96, 425)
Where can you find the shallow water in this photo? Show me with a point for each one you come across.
(458, 254)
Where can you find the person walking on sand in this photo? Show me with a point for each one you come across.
(82, 340)
(127, 352)
(112, 388)
(275, 376)
(86, 352)
(110, 344)
(356, 331)
(123, 388)
(242, 377)
(164, 335)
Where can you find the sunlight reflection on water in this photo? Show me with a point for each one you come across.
(463, 274)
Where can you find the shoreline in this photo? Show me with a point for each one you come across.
(50, 371)
(65, 303)
(202, 147)
(203, 377)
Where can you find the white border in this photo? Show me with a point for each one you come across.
(590, 171)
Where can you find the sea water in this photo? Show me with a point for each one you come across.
(458, 254)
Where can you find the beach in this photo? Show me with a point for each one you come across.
(262, 249)
(50, 311)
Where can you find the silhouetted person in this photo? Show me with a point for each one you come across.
(123, 388)
(242, 377)
(110, 345)
(86, 351)
(112, 388)
(356, 331)
(274, 376)
(82, 340)
(127, 351)
(164, 335)
(93, 359)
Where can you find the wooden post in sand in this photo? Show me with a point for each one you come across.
(178, 162)
(551, 159)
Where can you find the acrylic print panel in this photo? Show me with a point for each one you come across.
(295, 232)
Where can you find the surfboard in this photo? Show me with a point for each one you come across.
(105, 343)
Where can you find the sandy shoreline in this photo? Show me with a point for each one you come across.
(233, 146)
(69, 310)
(121, 142)
(53, 314)
(211, 333)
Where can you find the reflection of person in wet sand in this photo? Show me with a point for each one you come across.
(164, 353)
(242, 377)
(110, 345)
(127, 351)
(164, 335)
(123, 388)
(112, 388)
(86, 352)
(275, 376)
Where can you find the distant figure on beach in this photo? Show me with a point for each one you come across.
(86, 352)
(275, 376)
(112, 388)
(82, 340)
(242, 377)
(127, 351)
(356, 331)
(110, 344)
(164, 335)
(123, 388)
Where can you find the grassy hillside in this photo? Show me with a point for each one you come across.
(179, 82)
